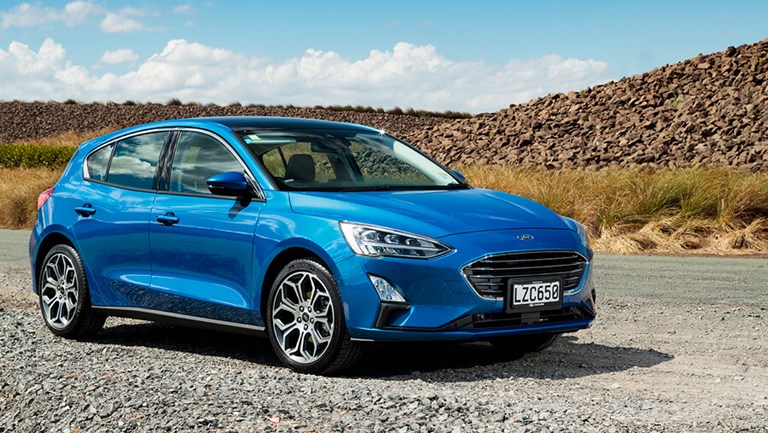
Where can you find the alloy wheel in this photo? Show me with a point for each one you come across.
(60, 291)
(303, 317)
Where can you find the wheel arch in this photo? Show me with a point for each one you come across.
(49, 241)
(285, 256)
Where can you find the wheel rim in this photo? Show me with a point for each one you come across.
(59, 294)
(302, 317)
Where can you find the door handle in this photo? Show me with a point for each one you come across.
(85, 210)
(168, 219)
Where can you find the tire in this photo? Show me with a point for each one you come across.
(65, 301)
(305, 320)
(525, 343)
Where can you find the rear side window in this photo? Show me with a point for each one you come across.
(98, 162)
(134, 162)
(196, 158)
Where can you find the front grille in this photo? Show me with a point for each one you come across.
(489, 276)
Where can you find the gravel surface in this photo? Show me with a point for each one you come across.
(668, 353)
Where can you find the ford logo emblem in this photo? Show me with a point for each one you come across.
(525, 237)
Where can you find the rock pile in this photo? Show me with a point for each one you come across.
(22, 120)
(709, 110)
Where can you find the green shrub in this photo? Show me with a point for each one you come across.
(22, 155)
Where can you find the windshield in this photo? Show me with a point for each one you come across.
(344, 161)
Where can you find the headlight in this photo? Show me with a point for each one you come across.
(582, 232)
(375, 241)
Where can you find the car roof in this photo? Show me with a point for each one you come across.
(256, 122)
(234, 123)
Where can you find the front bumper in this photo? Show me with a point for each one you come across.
(441, 303)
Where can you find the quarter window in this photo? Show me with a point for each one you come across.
(135, 161)
(98, 162)
(198, 157)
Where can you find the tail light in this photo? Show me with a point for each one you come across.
(43, 197)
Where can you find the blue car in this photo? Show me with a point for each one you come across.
(320, 235)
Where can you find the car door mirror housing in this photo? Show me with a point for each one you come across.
(460, 176)
(230, 183)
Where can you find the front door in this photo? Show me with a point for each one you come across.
(202, 244)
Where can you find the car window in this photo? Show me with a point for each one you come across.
(98, 162)
(135, 161)
(376, 165)
(196, 158)
(329, 160)
(279, 161)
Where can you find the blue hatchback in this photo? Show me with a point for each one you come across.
(320, 235)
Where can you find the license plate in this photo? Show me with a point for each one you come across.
(537, 295)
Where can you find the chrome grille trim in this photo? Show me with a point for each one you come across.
(488, 275)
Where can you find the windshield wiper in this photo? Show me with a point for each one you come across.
(457, 186)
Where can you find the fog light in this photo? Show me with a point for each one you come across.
(386, 291)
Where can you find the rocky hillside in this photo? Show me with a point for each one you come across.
(21, 120)
(711, 109)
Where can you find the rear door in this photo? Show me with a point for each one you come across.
(202, 244)
(112, 208)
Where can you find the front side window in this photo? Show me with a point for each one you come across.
(134, 162)
(344, 161)
(196, 158)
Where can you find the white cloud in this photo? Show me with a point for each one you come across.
(407, 76)
(123, 55)
(32, 15)
(120, 23)
(133, 12)
(183, 10)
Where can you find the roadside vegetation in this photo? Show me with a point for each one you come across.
(19, 188)
(720, 211)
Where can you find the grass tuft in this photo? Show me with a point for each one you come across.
(19, 188)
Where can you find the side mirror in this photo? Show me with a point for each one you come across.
(230, 183)
(459, 175)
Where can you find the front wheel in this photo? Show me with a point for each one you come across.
(64, 297)
(305, 320)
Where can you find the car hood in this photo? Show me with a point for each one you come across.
(430, 213)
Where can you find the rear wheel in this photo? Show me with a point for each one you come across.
(64, 297)
(525, 343)
(305, 320)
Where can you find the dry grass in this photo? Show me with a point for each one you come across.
(19, 188)
(701, 211)
(697, 211)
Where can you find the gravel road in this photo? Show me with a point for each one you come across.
(680, 345)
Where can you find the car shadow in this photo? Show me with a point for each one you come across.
(567, 358)
(190, 340)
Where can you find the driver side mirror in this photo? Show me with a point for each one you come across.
(230, 183)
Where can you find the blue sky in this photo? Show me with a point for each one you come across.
(442, 55)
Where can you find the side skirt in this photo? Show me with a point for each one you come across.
(181, 320)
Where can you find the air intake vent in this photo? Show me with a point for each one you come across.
(489, 275)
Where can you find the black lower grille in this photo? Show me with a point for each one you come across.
(503, 320)
(489, 276)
